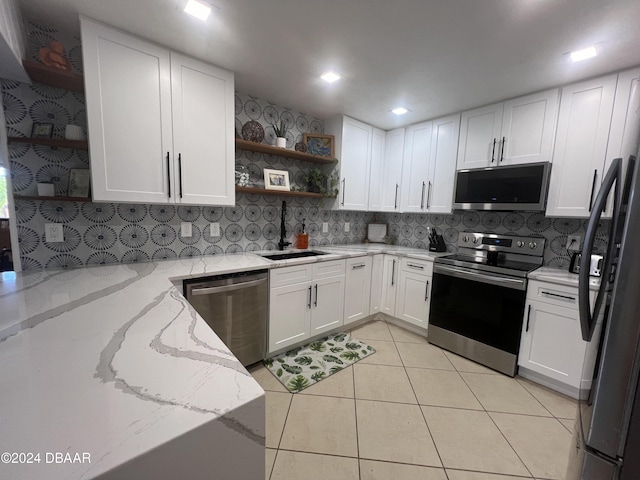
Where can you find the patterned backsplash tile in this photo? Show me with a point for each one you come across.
(102, 233)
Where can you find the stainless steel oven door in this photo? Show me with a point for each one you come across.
(478, 315)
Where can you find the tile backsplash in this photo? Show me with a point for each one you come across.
(98, 233)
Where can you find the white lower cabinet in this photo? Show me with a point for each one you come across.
(414, 291)
(304, 301)
(375, 303)
(551, 344)
(389, 287)
(358, 283)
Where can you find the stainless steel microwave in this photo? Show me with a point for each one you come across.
(518, 187)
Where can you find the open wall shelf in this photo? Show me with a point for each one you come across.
(55, 77)
(282, 152)
(54, 199)
(52, 142)
(263, 191)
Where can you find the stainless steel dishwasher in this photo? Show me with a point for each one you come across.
(235, 306)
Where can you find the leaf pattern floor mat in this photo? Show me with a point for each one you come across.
(301, 367)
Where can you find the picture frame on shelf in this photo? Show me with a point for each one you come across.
(79, 181)
(276, 180)
(377, 232)
(42, 130)
(319, 144)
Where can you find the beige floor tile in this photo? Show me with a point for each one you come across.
(394, 432)
(374, 330)
(372, 470)
(386, 353)
(276, 413)
(309, 466)
(383, 382)
(441, 388)
(558, 404)
(568, 424)
(469, 440)
(465, 365)
(542, 443)
(265, 378)
(499, 393)
(464, 475)
(321, 425)
(337, 385)
(270, 458)
(423, 355)
(402, 335)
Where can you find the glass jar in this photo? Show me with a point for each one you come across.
(242, 176)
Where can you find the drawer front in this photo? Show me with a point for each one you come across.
(328, 269)
(552, 294)
(279, 277)
(424, 267)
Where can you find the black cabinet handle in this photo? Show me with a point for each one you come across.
(356, 267)
(566, 297)
(316, 302)
(493, 152)
(422, 196)
(169, 174)
(309, 304)
(528, 318)
(412, 265)
(180, 172)
(393, 272)
(395, 202)
(593, 188)
(504, 139)
(429, 197)
(343, 189)
(426, 292)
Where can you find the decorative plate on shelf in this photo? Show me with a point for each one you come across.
(301, 147)
(253, 131)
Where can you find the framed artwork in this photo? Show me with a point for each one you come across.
(79, 180)
(42, 130)
(276, 180)
(321, 145)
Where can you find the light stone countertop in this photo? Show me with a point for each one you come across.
(112, 360)
(561, 277)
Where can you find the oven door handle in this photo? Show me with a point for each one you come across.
(514, 283)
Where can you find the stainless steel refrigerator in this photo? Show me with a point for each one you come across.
(607, 430)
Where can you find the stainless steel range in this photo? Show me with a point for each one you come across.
(478, 297)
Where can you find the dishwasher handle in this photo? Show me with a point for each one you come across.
(226, 288)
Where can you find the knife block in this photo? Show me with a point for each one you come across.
(439, 245)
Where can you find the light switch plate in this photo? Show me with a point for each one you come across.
(185, 229)
(53, 232)
(347, 227)
(573, 243)
(325, 227)
(214, 229)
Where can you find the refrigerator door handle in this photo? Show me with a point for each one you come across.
(588, 317)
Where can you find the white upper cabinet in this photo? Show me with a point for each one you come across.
(510, 133)
(581, 146)
(160, 124)
(428, 173)
(354, 147)
(386, 173)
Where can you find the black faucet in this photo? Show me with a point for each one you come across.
(283, 231)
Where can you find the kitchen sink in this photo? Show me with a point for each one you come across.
(288, 255)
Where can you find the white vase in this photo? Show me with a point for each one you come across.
(281, 142)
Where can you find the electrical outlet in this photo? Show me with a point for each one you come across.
(573, 243)
(325, 227)
(185, 229)
(53, 232)
(347, 227)
(214, 229)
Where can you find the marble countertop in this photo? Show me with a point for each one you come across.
(561, 277)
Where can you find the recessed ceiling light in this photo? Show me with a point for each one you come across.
(583, 54)
(198, 9)
(330, 77)
(400, 110)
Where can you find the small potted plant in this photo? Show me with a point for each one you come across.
(281, 133)
(319, 182)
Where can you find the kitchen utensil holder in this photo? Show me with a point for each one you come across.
(439, 245)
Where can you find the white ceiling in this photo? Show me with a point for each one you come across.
(433, 56)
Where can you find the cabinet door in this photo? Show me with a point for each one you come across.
(289, 315)
(528, 128)
(354, 164)
(384, 189)
(551, 343)
(327, 311)
(415, 167)
(128, 95)
(389, 284)
(376, 173)
(377, 279)
(581, 145)
(357, 289)
(203, 132)
(479, 137)
(413, 298)
(442, 164)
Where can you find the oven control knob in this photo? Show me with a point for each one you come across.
(520, 243)
(533, 244)
(465, 239)
(474, 239)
